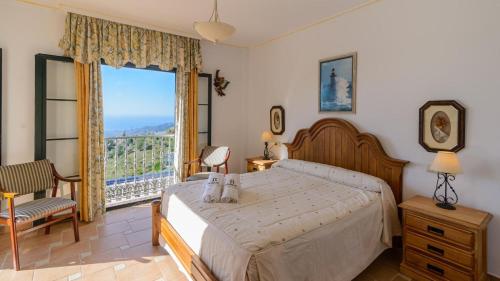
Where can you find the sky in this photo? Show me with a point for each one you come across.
(129, 92)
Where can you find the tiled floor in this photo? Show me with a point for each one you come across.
(117, 246)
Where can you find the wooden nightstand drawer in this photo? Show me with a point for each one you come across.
(256, 164)
(440, 249)
(444, 245)
(435, 268)
(255, 168)
(440, 230)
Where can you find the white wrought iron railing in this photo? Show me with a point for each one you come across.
(137, 168)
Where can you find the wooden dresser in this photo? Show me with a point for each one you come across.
(441, 244)
(255, 164)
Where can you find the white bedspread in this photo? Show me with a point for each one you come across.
(292, 225)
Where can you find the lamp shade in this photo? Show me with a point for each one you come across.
(266, 136)
(214, 31)
(446, 162)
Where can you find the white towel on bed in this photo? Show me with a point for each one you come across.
(231, 190)
(212, 190)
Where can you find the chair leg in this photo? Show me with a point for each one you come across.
(75, 225)
(14, 245)
(47, 228)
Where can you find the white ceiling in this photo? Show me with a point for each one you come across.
(256, 21)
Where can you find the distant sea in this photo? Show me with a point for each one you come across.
(115, 125)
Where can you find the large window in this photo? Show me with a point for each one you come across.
(139, 126)
(138, 113)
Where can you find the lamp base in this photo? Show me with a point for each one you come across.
(445, 205)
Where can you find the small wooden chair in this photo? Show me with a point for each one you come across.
(28, 178)
(210, 157)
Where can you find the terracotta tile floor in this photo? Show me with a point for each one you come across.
(117, 247)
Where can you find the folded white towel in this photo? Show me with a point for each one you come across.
(231, 190)
(213, 188)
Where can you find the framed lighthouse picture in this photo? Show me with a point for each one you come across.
(337, 84)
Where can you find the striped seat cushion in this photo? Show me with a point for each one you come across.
(26, 178)
(39, 208)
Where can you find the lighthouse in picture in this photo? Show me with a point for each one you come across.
(332, 97)
(339, 90)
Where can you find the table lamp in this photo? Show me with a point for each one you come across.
(447, 165)
(266, 137)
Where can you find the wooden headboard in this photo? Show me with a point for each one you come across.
(337, 142)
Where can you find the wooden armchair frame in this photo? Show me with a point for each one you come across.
(198, 162)
(49, 220)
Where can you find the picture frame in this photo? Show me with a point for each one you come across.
(337, 83)
(277, 120)
(442, 126)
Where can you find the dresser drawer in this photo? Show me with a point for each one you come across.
(439, 249)
(440, 230)
(435, 268)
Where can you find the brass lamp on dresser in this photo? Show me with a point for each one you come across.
(441, 244)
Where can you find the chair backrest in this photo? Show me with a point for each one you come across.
(214, 156)
(27, 178)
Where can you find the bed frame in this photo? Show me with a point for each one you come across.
(329, 141)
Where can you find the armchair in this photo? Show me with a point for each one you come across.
(28, 178)
(210, 157)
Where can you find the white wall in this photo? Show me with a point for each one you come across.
(229, 112)
(409, 52)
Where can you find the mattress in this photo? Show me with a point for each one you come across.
(288, 225)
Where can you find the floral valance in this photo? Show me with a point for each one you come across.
(87, 39)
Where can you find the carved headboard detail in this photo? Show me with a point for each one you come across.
(337, 142)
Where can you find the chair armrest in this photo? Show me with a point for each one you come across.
(8, 194)
(69, 179)
(59, 177)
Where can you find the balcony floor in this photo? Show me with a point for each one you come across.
(117, 246)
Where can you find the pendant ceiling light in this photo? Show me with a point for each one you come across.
(213, 29)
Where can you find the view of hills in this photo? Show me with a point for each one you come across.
(116, 126)
(162, 129)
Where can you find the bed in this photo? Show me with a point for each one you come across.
(325, 214)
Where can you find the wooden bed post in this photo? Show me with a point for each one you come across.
(155, 208)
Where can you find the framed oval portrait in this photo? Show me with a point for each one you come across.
(277, 119)
(442, 126)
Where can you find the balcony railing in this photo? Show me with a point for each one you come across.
(137, 168)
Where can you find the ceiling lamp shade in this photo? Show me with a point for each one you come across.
(214, 30)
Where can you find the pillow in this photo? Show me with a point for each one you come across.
(356, 179)
(310, 168)
(333, 173)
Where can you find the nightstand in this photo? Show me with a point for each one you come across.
(255, 164)
(441, 244)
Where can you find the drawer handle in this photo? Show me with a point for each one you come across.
(435, 230)
(435, 250)
(435, 269)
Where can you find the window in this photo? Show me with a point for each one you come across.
(139, 124)
(138, 113)
(55, 116)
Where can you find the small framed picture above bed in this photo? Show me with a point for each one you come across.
(442, 126)
(277, 119)
(337, 83)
